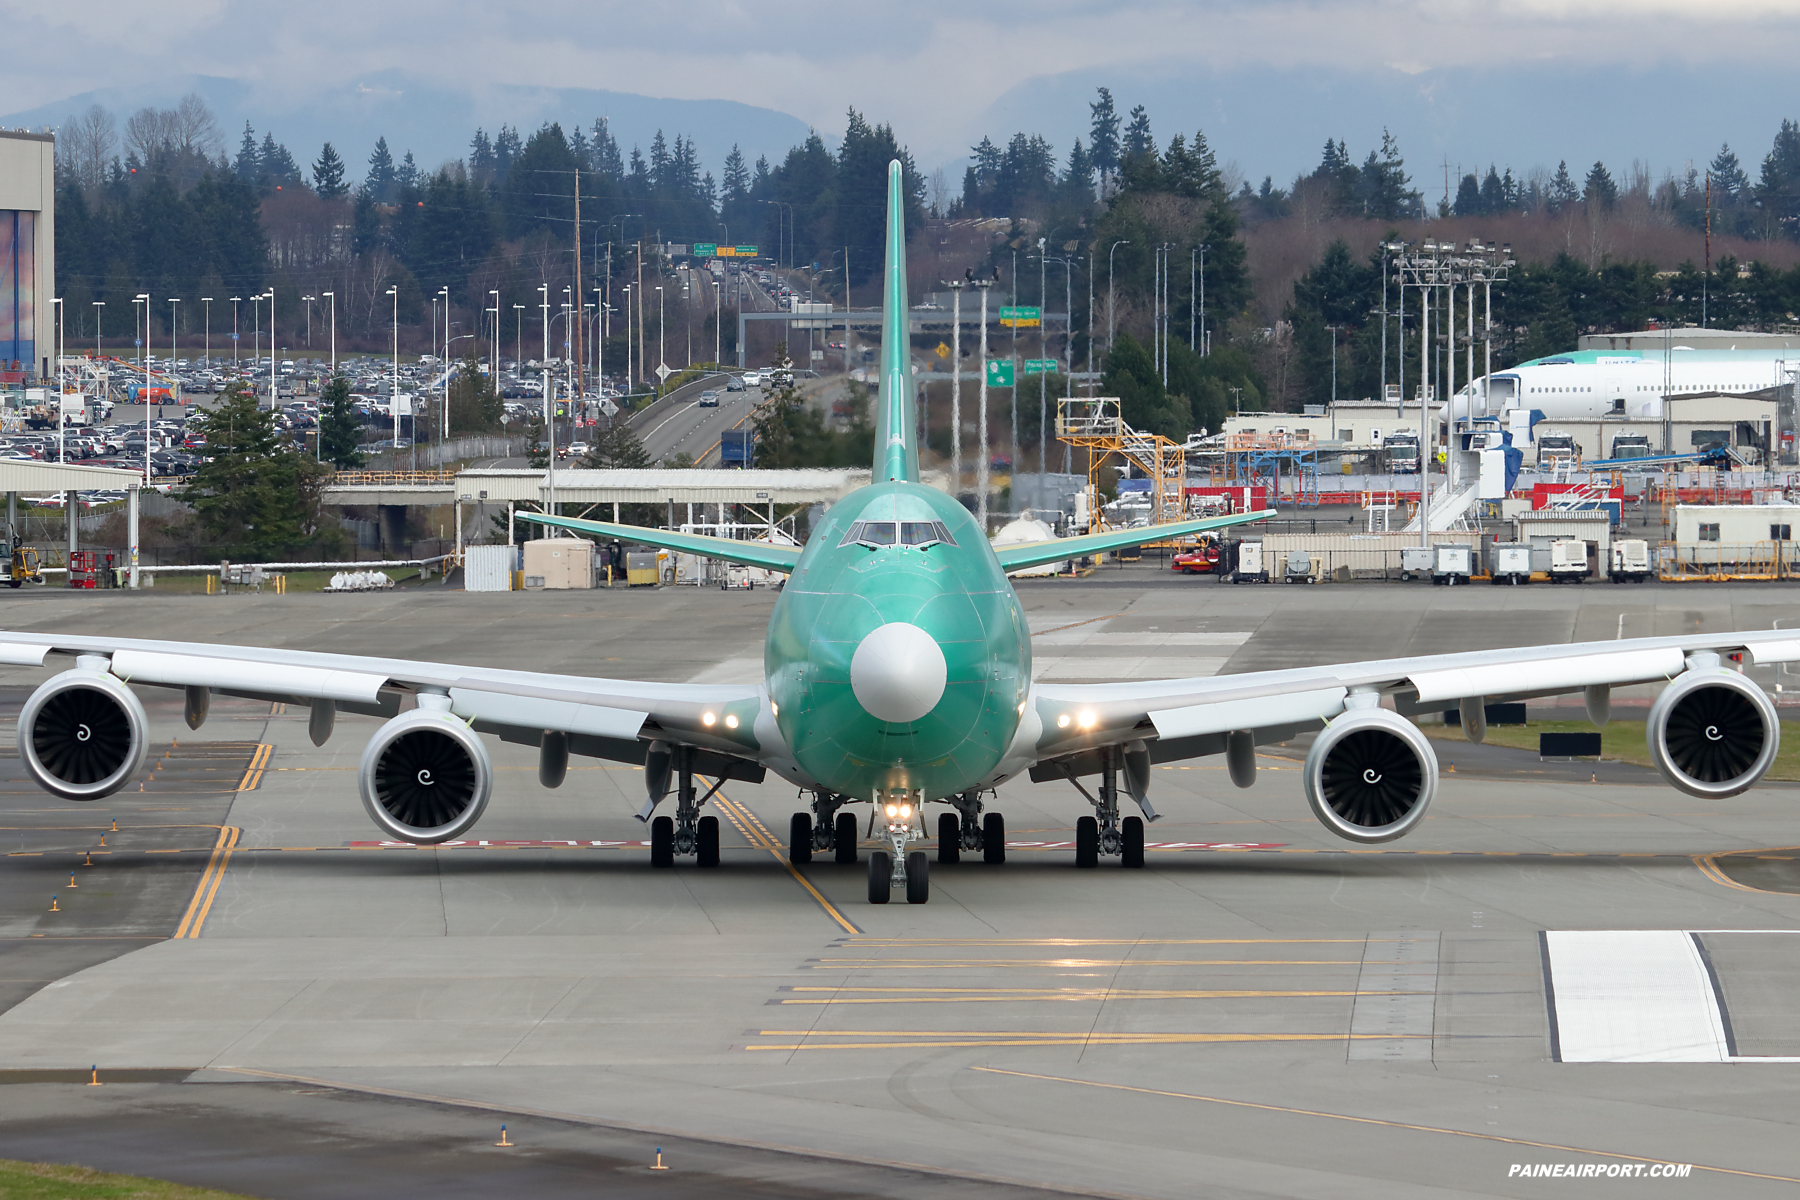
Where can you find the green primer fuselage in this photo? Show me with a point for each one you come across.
(838, 594)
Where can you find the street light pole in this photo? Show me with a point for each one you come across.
(144, 297)
(394, 387)
(332, 296)
(981, 465)
(235, 301)
(207, 300)
(1109, 291)
(98, 304)
(956, 286)
(549, 396)
(1205, 347)
(173, 301)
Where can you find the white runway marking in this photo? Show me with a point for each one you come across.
(1632, 995)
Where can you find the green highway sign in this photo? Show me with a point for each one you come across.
(706, 249)
(1040, 366)
(1000, 372)
(1018, 317)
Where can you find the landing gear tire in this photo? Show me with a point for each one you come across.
(844, 841)
(949, 837)
(800, 839)
(993, 838)
(662, 842)
(706, 842)
(881, 868)
(918, 877)
(1087, 843)
(1131, 842)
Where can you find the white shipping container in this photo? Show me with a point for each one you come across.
(489, 568)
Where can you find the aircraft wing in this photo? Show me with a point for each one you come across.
(1020, 555)
(1187, 718)
(603, 718)
(751, 554)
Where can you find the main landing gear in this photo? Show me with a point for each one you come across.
(967, 829)
(822, 829)
(687, 832)
(1105, 832)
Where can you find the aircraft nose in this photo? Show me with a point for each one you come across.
(898, 673)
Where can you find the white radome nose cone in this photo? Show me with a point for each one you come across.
(898, 673)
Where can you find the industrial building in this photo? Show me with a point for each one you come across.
(27, 254)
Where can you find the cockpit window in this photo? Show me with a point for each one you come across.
(911, 533)
(918, 533)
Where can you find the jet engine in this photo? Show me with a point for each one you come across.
(1370, 776)
(82, 734)
(425, 776)
(1713, 733)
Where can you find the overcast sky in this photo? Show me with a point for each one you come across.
(1519, 82)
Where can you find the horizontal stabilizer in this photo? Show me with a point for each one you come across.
(750, 554)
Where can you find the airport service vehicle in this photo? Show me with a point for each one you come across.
(1302, 567)
(1450, 565)
(1631, 445)
(1416, 561)
(1402, 452)
(1509, 562)
(1630, 561)
(897, 675)
(1197, 560)
(1556, 451)
(1244, 560)
(1568, 560)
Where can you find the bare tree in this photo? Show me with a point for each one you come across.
(149, 130)
(87, 143)
(937, 192)
(193, 127)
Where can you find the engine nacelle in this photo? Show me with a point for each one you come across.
(1713, 733)
(82, 734)
(425, 776)
(1370, 776)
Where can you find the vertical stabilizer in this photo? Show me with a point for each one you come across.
(896, 430)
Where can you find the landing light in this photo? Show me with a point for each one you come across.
(892, 811)
(774, 708)
(906, 810)
(1062, 722)
(730, 721)
(1087, 720)
(707, 719)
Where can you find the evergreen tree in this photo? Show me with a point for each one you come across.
(406, 175)
(481, 157)
(736, 183)
(1562, 187)
(1103, 135)
(606, 152)
(1729, 183)
(1599, 187)
(1779, 188)
(253, 496)
(615, 448)
(1138, 138)
(1494, 193)
(379, 183)
(1131, 375)
(1078, 177)
(328, 174)
(1468, 198)
(339, 429)
(249, 162)
(507, 148)
(365, 223)
(475, 405)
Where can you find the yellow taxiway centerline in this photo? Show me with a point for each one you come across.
(755, 833)
(208, 888)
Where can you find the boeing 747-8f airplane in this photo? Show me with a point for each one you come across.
(897, 673)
